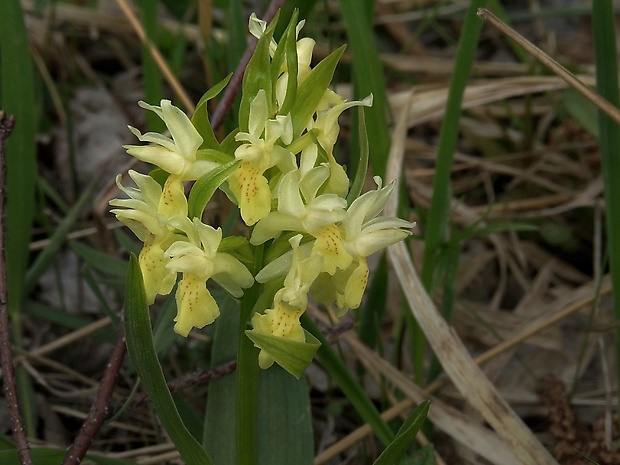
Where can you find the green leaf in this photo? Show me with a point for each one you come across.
(288, 46)
(17, 86)
(220, 427)
(606, 59)
(393, 454)
(310, 93)
(141, 350)
(204, 188)
(582, 110)
(362, 164)
(257, 76)
(200, 118)
(285, 419)
(293, 356)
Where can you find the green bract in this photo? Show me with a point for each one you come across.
(309, 234)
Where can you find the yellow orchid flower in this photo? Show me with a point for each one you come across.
(146, 213)
(176, 154)
(300, 208)
(198, 259)
(362, 234)
(281, 321)
(260, 152)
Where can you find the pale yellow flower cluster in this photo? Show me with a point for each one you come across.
(290, 191)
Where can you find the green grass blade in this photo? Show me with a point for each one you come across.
(368, 78)
(141, 349)
(56, 240)
(437, 221)
(437, 228)
(17, 97)
(393, 454)
(151, 76)
(374, 307)
(603, 26)
(17, 91)
(351, 388)
(100, 261)
(361, 168)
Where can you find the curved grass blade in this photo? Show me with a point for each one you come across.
(368, 77)
(141, 350)
(393, 454)
(351, 388)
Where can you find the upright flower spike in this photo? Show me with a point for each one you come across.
(176, 154)
(198, 260)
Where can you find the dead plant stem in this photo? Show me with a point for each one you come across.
(100, 408)
(606, 107)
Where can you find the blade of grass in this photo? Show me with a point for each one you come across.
(394, 453)
(351, 388)
(368, 79)
(151, 76)
(17, 90)
(437, 228)
(603, 27)
(56, 240)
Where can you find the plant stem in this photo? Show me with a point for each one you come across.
(247, 377)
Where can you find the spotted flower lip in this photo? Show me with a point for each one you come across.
(198, 259)
(259, 153)
(176, 154)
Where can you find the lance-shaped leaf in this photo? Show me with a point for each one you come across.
(200, 118)
(141, 350)
(257, 76)
(394, 453)
(204, 188)
(312, 90)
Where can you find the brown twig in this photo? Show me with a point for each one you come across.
(232, 89)
(6, 360)
(193, 379)
(100, 408)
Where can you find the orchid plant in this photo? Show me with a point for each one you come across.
(309, 235)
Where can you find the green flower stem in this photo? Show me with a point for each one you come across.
(247, 377)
